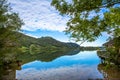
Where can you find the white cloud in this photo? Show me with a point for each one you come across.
(39, 14)
(75, 72)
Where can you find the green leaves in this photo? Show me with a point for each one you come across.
(83, 27)
(9, 22)
(112, 21)
(33, 49)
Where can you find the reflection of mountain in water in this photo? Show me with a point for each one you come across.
(8, 70)
(23, 48)
(45, 57)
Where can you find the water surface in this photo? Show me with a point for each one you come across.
(81, 66)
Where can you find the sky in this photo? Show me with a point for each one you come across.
(42, 19)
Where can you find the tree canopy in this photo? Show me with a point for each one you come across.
(9, 21)
(89, 18)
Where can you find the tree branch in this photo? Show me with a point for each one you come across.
(109, 4)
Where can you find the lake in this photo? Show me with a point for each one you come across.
(81, 66)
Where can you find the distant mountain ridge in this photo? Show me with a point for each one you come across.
(18, 46)
(44, 48)
(43, 44)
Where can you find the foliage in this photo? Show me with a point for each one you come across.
(34, 49)
(45, 57)
(114, 52)
(111, 54)
(23, 49)
(9, 22)
(44, 48)
(111, 73)
(46, 45)
(27, 44)
(89, 18)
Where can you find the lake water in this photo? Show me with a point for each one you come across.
(81, 66)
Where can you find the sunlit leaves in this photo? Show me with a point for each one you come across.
(113, 21)
(83, 27)
(9, 21)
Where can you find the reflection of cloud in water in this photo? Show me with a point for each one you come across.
(76, 72)
(78, 58)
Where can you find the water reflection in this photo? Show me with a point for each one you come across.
(10, 61)
(44, 57)
(66, 66)
(82, 66)
(82, 58)
(75, 72)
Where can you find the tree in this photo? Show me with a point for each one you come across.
(9, 21)
(34, 49)
(84, 27)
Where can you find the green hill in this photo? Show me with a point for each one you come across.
(21, 46)
(38, 45)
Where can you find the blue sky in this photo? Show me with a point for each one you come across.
(41, 19)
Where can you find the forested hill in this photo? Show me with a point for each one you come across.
(40, 45)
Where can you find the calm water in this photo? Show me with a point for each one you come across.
(81, 66)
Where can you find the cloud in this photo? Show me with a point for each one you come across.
(39, 14)
(76, 72)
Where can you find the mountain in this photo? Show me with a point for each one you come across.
(39, 45)
(17, 49)
(23, 46)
